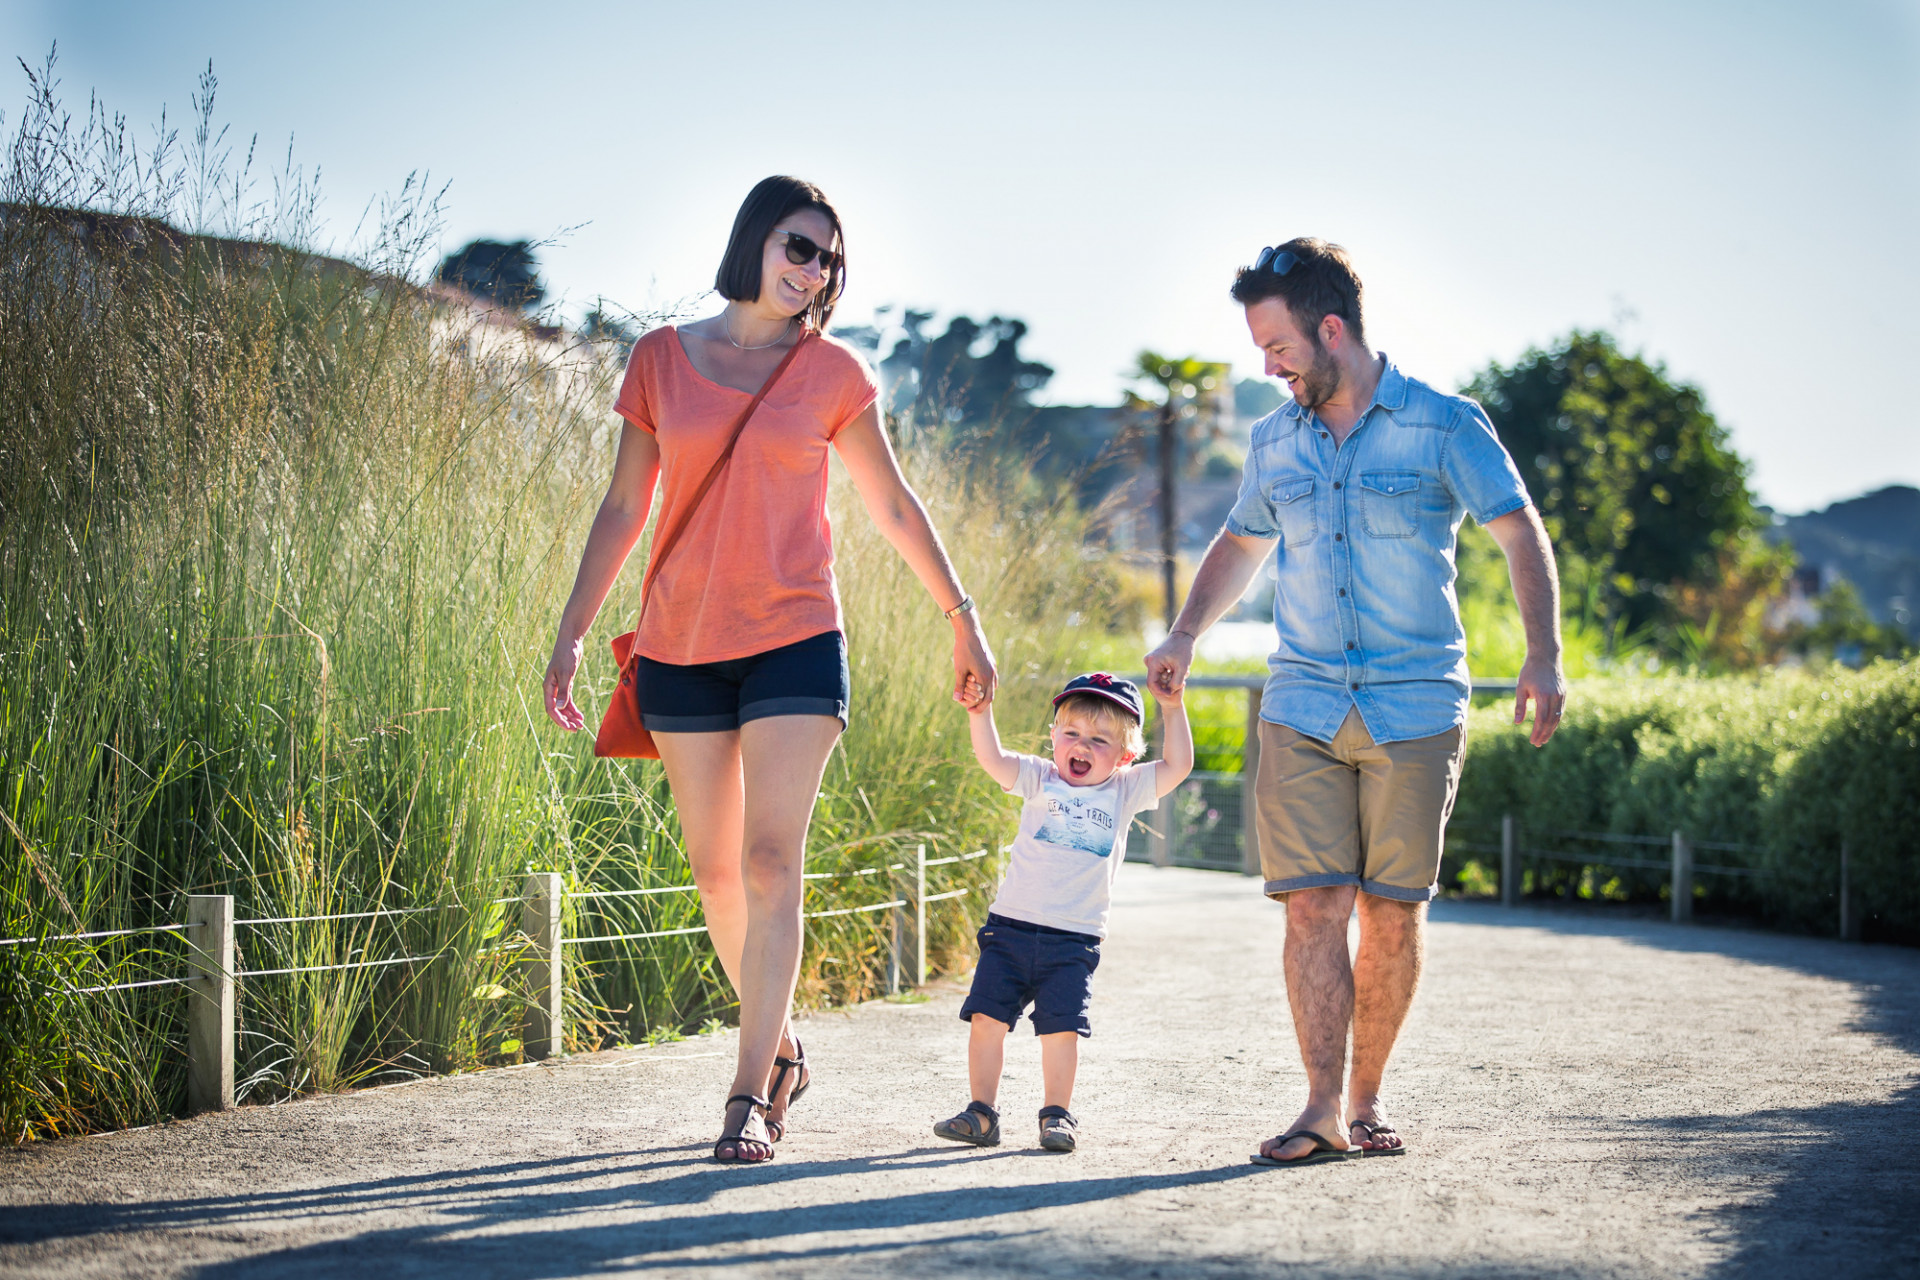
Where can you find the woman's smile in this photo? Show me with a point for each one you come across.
(800, 290)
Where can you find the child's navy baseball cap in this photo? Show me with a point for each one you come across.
(1121, 693)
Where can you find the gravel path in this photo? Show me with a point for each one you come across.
(1583, 1095)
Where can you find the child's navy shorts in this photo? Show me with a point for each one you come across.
(1022, 964)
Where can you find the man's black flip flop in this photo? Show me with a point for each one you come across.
(1375, 1131)
(1324, 1152)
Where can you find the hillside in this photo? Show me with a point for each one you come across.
(1873, 541)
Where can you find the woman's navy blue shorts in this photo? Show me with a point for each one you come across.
(1022, 964)
(806, 678)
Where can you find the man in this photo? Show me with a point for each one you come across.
(1362, 481)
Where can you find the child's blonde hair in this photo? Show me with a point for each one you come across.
(1102, 711)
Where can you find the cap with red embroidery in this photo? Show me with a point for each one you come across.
(1122, 693)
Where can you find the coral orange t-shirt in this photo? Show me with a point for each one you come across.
(754, 570)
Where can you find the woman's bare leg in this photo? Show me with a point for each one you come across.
(782, 760)
(706, 775)
(703, 771)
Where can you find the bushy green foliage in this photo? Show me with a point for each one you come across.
(1858, 782)
(1631, 472)
(1786, 765)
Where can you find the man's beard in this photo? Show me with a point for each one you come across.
(1320, 381)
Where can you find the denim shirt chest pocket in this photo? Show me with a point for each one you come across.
(1389, 503)
(1292, 498)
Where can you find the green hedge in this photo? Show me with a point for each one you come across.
(1788, 764)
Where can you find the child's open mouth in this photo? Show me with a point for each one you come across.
(1079, 768)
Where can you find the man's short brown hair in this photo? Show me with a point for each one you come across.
(1321, 283)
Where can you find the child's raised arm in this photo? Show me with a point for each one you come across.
(1176, 747)
(1001, 765)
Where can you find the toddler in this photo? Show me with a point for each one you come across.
(1041, 942)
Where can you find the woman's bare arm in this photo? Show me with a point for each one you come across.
(616, 528)
(897, 512)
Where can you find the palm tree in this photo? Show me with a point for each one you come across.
(1183, 385)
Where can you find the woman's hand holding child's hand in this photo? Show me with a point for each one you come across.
(974, 676)
(973, 696)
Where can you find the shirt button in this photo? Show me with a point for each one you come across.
(1356, 684)
(1336, 484)
(1343, 591)
(1323, 435)
(1339, 537)
(1349, 644)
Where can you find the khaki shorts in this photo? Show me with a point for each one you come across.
(1350, 812)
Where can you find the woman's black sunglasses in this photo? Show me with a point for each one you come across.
(1272, 259)
(801, 251)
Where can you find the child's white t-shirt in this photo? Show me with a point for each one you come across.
(1071, 843)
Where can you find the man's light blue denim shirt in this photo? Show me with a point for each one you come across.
(1364, 600)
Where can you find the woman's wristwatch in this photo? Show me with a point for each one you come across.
(965, 606)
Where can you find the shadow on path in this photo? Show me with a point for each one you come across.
(477, 1221)
(1843, 1178)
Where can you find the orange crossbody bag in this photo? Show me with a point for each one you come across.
(622, 732)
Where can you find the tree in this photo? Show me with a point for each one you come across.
(942, 381)
(1639, 488)
(602, 325)
(1185, 408)
(505, 273)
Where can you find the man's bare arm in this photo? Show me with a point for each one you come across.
(1223, 577)
(1536, 587)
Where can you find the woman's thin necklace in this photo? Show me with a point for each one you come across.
(727, 329)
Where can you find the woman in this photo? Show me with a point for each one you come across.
(742, 674)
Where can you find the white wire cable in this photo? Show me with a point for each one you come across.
(328, 968)
(103, 933)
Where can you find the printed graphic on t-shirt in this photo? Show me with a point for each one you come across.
(1079, 817)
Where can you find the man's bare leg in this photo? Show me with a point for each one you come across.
(1320, 990)
(1386, 971)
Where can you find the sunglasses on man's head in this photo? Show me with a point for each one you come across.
(801, 251)
(1275, 260)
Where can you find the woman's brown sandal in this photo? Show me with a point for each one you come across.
(777, 1129)
(736, 1139)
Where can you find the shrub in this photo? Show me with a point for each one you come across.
(1784, 765)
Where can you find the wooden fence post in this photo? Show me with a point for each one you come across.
(1849, 927)
(209, 1002)
(1682, 892)
(896, 957)
(920, 915)
(1249, 774)
(540, 902)
(1160, 835)
(1509, 863)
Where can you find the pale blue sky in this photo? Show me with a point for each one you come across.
(1738, 182)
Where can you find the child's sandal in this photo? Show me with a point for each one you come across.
(978, 1125)
(1057, 1127)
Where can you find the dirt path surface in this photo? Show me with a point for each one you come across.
(1582, 1096)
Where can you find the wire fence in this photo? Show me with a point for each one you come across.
(1595, 868)
(214, 968)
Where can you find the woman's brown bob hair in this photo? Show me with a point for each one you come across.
(772, 199)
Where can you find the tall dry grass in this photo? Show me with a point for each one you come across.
(282, 544)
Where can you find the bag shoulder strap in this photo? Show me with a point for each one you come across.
(662, 546)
